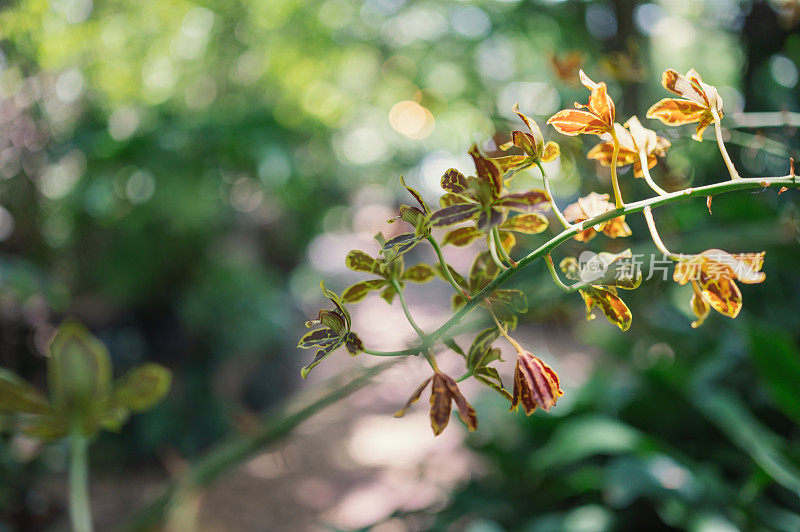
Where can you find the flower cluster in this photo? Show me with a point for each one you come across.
(487, 206)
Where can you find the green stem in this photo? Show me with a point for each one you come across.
(556, 279)
(751, 183)
(646, 173)
(238, 449)
(80, 512)
(401, 297)
(493, 253)
(722, 150)
(446, 268)
(386, 353)
(567, 234)
(651, 225)
(499, 244)
(614, 179)
(556, 210)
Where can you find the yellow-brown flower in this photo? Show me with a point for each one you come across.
(702, 102)
(444, 391)
(535, 384)
(594, 205)
(597, 118)
(712, 274)
(632, 141)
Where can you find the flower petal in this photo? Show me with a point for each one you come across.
(462, 236)
(465, 410)
(675, 112)
(531, 223)
(454, 214)
(550, 153)
(609, 304)
(577, 122)
(454, 181)
(414, 398)
(525, 201)
(487, 170)
(440, 404)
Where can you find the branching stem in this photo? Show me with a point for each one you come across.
(554, 274)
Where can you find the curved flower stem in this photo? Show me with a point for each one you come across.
(387, 353)
(446, 268)
(402, 298)
(504, 330)
(493, 253)
(646, 172)
(651, 225)
(556, 279)
(614, 180)
(750, 183)
(80, 512)
(722, 150)
(555, 208)
(499, 244)
(431, 358)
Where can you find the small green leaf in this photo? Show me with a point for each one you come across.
(494, 384)
(47, 427)
(449, 342)
(359, 291)
(17, 396)
(515, 300)
(419, 273)
(79, 368)
(388, 294)
(481, 345)
(482, 272)
(142, 387)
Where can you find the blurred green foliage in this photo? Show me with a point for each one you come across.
(166, 165)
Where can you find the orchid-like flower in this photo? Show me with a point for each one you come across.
(636, 143)
(712, 274)
(335, 332)
(701, 103)
(595, 118)
(482, 198)
(604, 274)
(390, 273)
(444, 392)
(532, 144)
(416, 217)
(535, 384)
(594, 205)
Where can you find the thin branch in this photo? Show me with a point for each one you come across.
(499, 244)
(554, 274)
(237, 449)
(646, 173)
(721, 143)
(614, 179)
(401, 297)
(555, 208)
(446, 268)
(651, 225)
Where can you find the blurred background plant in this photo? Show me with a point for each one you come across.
(179, 174)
